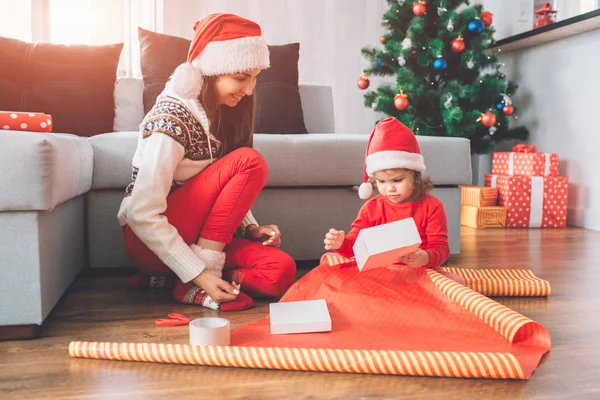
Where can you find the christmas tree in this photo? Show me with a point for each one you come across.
(447, 81)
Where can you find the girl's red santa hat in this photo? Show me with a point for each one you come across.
(391, 145)
(222, 44)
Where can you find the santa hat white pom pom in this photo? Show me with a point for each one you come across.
(365, 190)
(186, 81)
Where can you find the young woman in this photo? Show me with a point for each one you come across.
(195, 177)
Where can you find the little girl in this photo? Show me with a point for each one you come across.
(394, 162)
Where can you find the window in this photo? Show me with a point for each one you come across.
(88, 22)
(15, 19)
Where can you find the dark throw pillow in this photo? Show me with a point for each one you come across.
(160, 54)
(74, 84)
(278, 104)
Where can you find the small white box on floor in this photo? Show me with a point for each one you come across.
(300, 317)
(383, 245)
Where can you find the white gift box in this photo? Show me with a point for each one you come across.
(300, 317)
(383, 245)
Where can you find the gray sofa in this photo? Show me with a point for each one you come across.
(60, 195)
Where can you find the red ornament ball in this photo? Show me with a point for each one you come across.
(458, 45)
(363, 82)
(487, 18)
(419, 9)
(401, 101)
(382, 39)
(488, 119)
(508, 109)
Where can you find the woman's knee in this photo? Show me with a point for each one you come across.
(283, 274)
(249, 158)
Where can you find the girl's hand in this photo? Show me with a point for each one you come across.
(269, 235)
(334, 239)
(218, 290)
(418, 258)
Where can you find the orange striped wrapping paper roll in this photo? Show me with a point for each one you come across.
(514, 327)
(24, 121)
(419, 363)
(489, 282)
(480, 338)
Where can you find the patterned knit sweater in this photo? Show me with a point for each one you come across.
(172, 148)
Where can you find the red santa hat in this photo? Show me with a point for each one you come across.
(222, 44)
(391, 145)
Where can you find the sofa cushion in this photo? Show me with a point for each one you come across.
(113, 154)
(338, 159)
(39, 171)
(74, 84)
(296, 160)
(278, 104)
(129, 107)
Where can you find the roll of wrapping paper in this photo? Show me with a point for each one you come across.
(489, 282)
(380, 362)
(24, 121)
(525, 342)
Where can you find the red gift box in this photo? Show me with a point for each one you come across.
(525, 160)
(24, 121)
(532, 201)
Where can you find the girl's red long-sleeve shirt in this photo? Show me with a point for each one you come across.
(428, 213)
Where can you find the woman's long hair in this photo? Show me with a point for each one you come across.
(232, 126)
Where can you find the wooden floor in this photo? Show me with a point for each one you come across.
(102, 309)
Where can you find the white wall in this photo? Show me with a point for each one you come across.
(331, 34)
(559, 102)
(510, 17)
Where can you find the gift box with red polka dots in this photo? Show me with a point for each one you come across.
(532, 201)
(528, 164)
(23, 121)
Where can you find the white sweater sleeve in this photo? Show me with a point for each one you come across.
(248, 220)
(148, 202)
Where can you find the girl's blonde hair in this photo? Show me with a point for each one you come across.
(232, 126)
(422, 183)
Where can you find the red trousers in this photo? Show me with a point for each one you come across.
(212, 205)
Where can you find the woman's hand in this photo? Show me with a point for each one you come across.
(269, 235)
(334, 239)
(219, 290)
(418, 258)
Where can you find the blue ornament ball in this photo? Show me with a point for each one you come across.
(500, 106)
(476, 26)
(440, 64)
(379, 62)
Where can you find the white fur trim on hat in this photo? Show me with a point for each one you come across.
(185, 82)
(390, 159)
(365, 190)
(233, 56)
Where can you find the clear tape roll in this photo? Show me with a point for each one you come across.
(210, 331)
